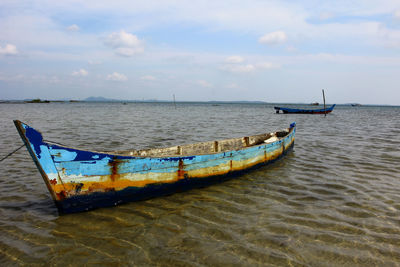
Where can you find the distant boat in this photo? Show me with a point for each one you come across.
(80, 180)
(356, 105)
(305, 111)
(314, 104)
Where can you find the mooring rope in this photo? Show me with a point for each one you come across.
(12, 153)
(56, 143)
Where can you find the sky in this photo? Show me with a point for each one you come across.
(256, 50)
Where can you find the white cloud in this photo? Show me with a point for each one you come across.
(266, 65)
(232, 86)
(80, 73)
(291, 48)
(124, 43)
(8, 50)
(54, 79)
(12, 78)
(73, 28)
(239, 68)
(232, 64)
(234, 59)
(204, 83)
(94, 62)
(397, 14)
(273, 38)
(148, 78)
(325, 15)
(117, 77)
(246, 68)
(128, 51)
(389, 37)
(29, 79)
(41, 31)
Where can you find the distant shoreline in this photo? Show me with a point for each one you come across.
(212, 102)
(92, 100)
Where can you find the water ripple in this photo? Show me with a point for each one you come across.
(333, 201)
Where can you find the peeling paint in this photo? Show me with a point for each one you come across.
(81, 180)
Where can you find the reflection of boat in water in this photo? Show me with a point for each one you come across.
(80, 180)
(305, 111)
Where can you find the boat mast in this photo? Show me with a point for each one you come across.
(323, 95)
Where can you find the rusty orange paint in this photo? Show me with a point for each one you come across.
(114, 165)
(181, 170)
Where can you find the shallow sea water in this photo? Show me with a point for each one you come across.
(333, 201)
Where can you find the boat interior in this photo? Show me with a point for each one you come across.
(210, 147)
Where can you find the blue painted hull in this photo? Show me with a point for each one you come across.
(81, 180)
(81, 203)
(305, 111)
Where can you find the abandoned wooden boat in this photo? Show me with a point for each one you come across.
(80, 180)
(305, 111)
